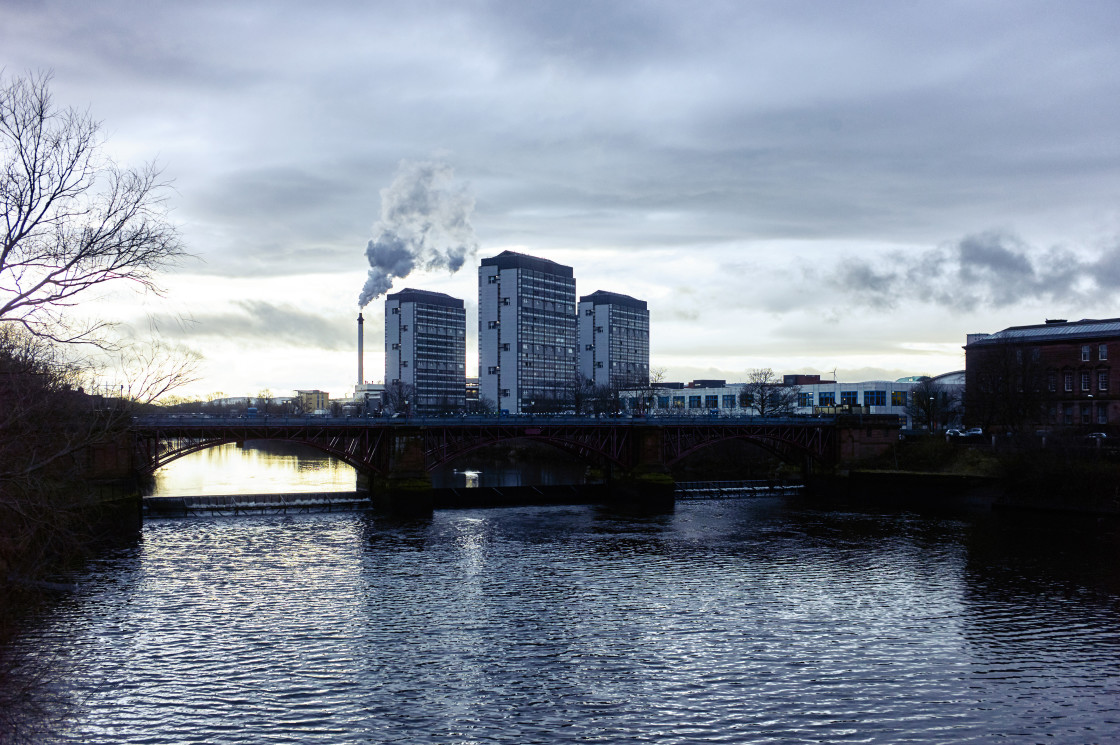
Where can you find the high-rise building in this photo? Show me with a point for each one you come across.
(526, 332)
(425, 352)
(614, 340)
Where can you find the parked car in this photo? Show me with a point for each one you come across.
(974, 432)
(1096, 436)
(953, 433)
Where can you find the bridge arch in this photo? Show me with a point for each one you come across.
(172, 449)
(784, 450)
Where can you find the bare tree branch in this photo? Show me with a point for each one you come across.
(72, 220)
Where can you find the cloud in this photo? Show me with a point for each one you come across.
(262, 324)
(983, 271)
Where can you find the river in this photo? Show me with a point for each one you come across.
(761, 620)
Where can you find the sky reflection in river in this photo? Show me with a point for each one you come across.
(740, 621)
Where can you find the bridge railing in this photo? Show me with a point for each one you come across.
(443, 421)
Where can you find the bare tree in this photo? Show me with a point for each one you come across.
(580, 391)
(767, 394)
(399, 397)
(1005, 386)
(932, 405)
(73, 220)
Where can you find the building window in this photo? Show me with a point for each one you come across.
(729, 401)
(404, 327)
(404, 363)
(1102, 380)
(1086, 413)
(598, 329)
(396, 345)
(827, 398)
(804, 400)
(694, 402)
(599, 364)
(492, 370)
(848, 398)
(588, 347)
(505, 347)
(1085, 353)
(1067, 413)
(1084, 380)
(1052, 381)
(874, 398)
(1102, 352)
(711, 401)
(396, 311)
(491, 324)
(492, 279)
(678, 402)
(1102, 414)
(1067, 382)
(504, 393)
(589, 312)
(898, 398)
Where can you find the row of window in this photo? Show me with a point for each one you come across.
(804, 400)
(1085, 378)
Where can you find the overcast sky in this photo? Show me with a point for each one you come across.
(805, 186)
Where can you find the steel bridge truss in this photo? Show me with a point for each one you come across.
(371, 446)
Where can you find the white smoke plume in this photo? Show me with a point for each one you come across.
(425, 222)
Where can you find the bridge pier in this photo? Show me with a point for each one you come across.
(649, 481)
(406, 486)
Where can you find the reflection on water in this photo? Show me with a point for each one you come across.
(267, 467)
(260, 467)
(759, 620)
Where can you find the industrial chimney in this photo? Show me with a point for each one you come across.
(361, 349)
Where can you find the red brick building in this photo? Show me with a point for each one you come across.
(1058, 373)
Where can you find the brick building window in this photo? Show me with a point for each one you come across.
(1067, 382)
(1102, 352)
(1085, 353)
(1085, 380)
(1102, 380)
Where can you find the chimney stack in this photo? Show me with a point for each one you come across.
(361, 348)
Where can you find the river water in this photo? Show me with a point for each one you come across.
(763, 620)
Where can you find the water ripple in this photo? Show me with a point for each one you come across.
(734, 622)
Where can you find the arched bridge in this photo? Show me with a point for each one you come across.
(382, 448)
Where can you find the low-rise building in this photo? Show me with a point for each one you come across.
(1058, 373)
(814, 396)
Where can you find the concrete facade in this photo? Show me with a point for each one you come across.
(614, 340)
(425, 349)
(526, 332)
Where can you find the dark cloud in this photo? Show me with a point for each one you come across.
(263, 323)
(986, 270)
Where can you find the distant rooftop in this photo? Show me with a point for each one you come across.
(1086, 328)
(514, 260)
(602, 297)
(409, 295)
